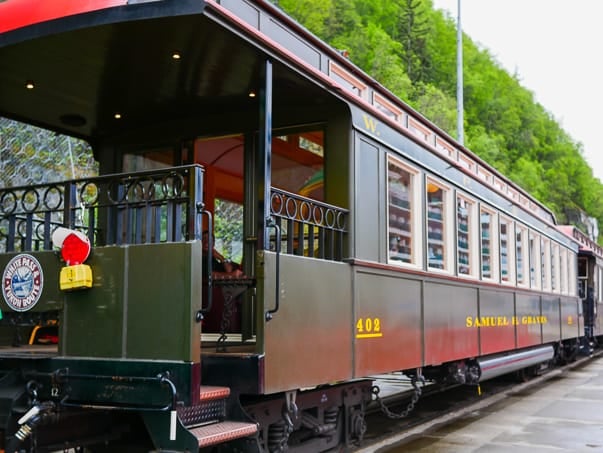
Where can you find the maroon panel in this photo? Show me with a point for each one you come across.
(527, 325)
(496, 322)
(448, 336)
(387, 324)
(572, 324)
(550, 320)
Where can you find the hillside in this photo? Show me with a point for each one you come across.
(410, 48)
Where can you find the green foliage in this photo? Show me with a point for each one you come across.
(411, 48)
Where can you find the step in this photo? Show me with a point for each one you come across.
(212, 392)
(210, 408)
(217, 433)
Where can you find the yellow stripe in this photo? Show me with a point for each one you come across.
(369, 335)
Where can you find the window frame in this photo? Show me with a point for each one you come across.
(447, 222)
(492, 240)
(472, 232)
(534, 260)
(511, 266)
(522, 231)
(545, 263)
(415, 234)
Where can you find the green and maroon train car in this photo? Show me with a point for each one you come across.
(367, 240)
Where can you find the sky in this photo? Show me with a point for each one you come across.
(554, 46)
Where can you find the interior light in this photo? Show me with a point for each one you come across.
(252, 94)
(30, 85)
(176, 56)
(432, 188)
(117, 116)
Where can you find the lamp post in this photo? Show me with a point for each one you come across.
(459, 77)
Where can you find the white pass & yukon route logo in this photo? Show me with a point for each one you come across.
(22, 282)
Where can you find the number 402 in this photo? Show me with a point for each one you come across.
(368, 325)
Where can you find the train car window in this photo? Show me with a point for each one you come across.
(487, 244)
(298, 163)
(598, 285)
(545, 260)
(521, 254)
(535, 281)
(401, 212)
(555, 267)
(563, 271)
(148, 160)
(465, 231)
(228, 230)
(437, 207)
(571, 265)
(507, 251)
(582, 267)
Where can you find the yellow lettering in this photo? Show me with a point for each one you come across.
(360, 326)
(368, 328)
(377, 325)
(469, 321)
(370, 123)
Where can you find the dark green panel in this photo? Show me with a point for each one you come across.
(366, 218)
(162, 298)
(93, 318)
(141, 306)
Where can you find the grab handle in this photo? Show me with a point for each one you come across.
(277, 246)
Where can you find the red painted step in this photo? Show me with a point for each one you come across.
(216, 433)
(212, 392)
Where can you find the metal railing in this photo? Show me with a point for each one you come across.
(134, 208)
(308, 227)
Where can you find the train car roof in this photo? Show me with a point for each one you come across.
(75, 67)
(586, 245)
(73, 70)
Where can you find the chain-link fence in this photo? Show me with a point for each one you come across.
(30, 155)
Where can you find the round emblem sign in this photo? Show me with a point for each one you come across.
(22, 282)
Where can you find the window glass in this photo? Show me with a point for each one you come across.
(520, 253)
(228, 230)
(506, 254)
(436, 226)
(582, 267)
(571, 265)
(298, 163)
(545, 260)
(486, 243)
(464, 216)
(563, 271)
(148, 160)
(534, 261)
(555, 267)
(400, 206)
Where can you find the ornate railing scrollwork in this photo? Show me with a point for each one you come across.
(309, 227)
(134, 208)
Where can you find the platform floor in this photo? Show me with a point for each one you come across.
(562, 414)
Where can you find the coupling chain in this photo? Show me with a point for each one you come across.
(411, 405)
